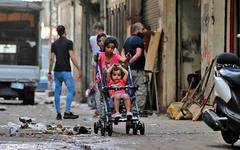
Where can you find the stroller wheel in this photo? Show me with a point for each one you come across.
(96, 127)
(128, 126)
(135, 128)
(142, 128)
(103, 129)
(109, 129)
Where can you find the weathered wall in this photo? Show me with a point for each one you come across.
(70, 17)
(133, 14)
(77, 48)
(212, 34)
(64, 8)
(168, 69)
(190, 38)
(213, 30)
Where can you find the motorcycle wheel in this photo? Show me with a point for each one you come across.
(229, 136)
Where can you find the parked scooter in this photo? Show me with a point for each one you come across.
(226, 118)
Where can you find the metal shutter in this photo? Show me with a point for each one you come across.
(151, 13)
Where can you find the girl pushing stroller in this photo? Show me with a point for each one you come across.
(111, 85)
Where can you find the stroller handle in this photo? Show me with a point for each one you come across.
(120, 88)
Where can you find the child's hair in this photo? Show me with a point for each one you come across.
(116, 68)
(110, 40)
(101, 35)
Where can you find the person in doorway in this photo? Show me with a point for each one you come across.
(62, 48)
(134, 46)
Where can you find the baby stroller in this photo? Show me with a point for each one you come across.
(105, 123)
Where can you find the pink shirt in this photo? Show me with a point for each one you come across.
(104, 65)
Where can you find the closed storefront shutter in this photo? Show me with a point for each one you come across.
(116, 20)
(151, 13)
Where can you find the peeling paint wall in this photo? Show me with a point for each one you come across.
(213, 30)
(212, 34)
(190, 37)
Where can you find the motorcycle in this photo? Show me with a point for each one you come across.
(226, 118)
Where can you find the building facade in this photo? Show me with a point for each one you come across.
(194, 32)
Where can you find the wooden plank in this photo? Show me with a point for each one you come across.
(152, 52)
(200, 111)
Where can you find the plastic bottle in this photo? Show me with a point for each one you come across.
(86, 118)
(40, 126)
(49, 131)
(13, 129)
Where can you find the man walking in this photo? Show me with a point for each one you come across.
(63, 50)
(134, 46)
(98, 29)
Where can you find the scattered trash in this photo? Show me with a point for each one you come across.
(3, 108)
(39, 126)
(25, 120)
(28, 127)
(24, 126)
(49, 131)
(48, 102)
(59, 126)
(50, 127)
(64, 147)
(82, 130)
(13, 129)
(86, 118)
(68, 132)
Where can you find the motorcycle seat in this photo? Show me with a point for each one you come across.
(232, 75)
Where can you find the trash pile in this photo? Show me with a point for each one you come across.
(29, 126)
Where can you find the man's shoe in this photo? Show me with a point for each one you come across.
(59, 116)
(70, 115)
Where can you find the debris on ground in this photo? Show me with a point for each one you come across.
(28, 126)
(86, 118)
(3, 108)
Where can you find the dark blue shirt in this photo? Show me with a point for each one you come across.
(61, 49)
(130, 45)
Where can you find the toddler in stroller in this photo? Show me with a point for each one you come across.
(117, 77)
(116, 90)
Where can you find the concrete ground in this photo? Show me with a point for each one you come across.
(160, 133)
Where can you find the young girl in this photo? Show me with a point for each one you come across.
(100, 42)
(107, 58)
(115, 78)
